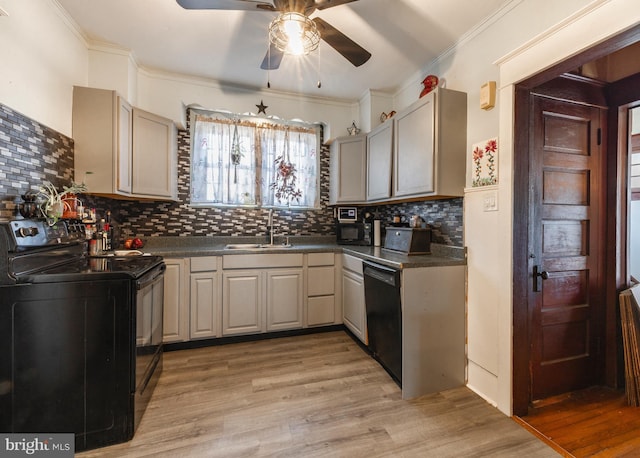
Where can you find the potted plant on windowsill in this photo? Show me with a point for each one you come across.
(54, 203)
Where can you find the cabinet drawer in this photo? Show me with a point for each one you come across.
(260, 261)
(320, 310)
(320, 281)
(352, 263)
(204, 263)
(320, 259)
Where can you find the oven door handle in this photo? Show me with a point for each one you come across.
(150, 278)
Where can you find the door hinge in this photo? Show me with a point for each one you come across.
(599, 136)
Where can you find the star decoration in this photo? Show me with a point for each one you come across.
(262, 108)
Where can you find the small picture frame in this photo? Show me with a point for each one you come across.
(485, 163)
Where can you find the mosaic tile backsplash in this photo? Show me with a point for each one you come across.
(31, 153)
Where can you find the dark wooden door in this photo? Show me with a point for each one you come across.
(567, 296)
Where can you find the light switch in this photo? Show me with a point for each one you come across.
(490, 202)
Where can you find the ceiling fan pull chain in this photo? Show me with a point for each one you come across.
(268, 66)
(319, 82)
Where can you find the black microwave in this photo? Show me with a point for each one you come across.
(354, 233)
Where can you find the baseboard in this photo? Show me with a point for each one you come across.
(249, 338)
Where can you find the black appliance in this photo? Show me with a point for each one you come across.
(349, 231)
(80, 337)
(384, 316)
(354, 233)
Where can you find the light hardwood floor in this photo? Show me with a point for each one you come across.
(318, 395)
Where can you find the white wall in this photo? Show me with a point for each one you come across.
(115, 69)
(41, 58)
(167, 94)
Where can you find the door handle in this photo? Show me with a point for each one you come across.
(537, 273)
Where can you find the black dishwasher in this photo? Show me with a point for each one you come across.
(384, 316)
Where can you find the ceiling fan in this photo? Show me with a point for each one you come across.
(298, 10)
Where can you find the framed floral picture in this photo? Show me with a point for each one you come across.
(485, 163)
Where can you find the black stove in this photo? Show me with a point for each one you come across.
(80, 336)
(39, 253)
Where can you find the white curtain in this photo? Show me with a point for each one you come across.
(216, 179)
(299, 147)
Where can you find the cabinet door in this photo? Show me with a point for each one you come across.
(379, 153)
(102, 123)
(242, 302)
(348, 169)
(176, 301)
(413, 164)
(123, 154)
(154, 156)
(284, 299)
(204, 304)
(354, 313)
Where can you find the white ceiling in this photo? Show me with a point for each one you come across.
(402, 35)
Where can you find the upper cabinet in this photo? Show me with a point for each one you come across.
(379, 157)
(417, 154)
(348, 155)
(154, 156)
(121, 151)
(430, 138)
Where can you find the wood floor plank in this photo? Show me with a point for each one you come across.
(318, 395)
(596, 422)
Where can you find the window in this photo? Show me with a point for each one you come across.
(251, 161)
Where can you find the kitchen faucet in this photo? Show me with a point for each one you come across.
(270, 227)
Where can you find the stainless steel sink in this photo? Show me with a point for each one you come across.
(243, 246)
(255, 246)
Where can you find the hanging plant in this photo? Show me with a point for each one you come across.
(284, 184)
(55, 202)
(236, 153)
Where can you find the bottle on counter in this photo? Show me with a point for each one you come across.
(89, 231)
(93, 245)
(107, 232)
(376, 232)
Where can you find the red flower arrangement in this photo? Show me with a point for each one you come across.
(285, 183)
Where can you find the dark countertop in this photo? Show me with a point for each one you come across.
(441, 255)
(182, 247)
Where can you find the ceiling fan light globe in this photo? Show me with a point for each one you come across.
(294, 33)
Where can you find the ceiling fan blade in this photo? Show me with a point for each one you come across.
(272, 59)
(351, 50)
(324, 4)
(233, 5)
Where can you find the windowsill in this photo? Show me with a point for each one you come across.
(251, 207)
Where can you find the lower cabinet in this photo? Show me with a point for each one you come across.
(261, 300)
(176, 300)
(204, 304)
(354, 312)
(321, 290)
(214, 296)
(284, 299)
(242, 302)
(262, 292)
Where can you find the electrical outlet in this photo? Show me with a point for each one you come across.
(490, 202)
